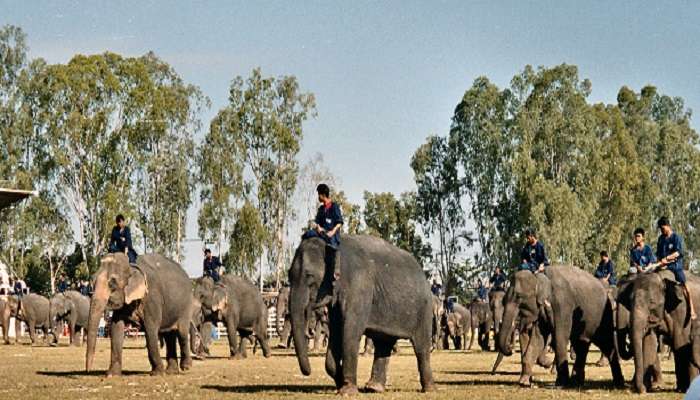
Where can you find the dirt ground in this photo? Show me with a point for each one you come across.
(57, 373)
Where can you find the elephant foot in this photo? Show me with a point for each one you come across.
(545, 363)
(158, 372)
(172, 369)
(374, 387)
(237, 356)
(186, 364)
(429, 387)
(603, 362)
(281, 346)
(525, 381)
(348, 389)
(114, 370)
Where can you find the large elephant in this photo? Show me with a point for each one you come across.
(481, 323)
(576, 307)
(72, 308)
(5, 314)
(33, 310)
(659, 307)
(284, 325)
(496, 306)
(381, 293)
(457, 324)
(155, 295)
(239, 305)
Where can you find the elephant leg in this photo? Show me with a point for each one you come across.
(18, 329)
(682, 367)
(285, 334)
(117, 342)
(525, 363)
(153, 346)
(649, 351)
(171, 352)
(244, 339)
(579, 372)
(382, 352)
(561, 341)
(471, 337)
(333, 360)
(205, 333)
(183, 340)
(32, 333)
(351, 346)
(421, 347)
(232, 334)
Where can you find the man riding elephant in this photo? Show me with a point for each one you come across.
(533, 255)
(669, 252)
(329, 220)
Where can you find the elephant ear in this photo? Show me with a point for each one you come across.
(136, 288)
(220, 300)
(674, 294)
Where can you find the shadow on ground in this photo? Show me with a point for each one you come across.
(76, 374)
(317, 389)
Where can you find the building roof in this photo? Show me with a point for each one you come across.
(10, 196)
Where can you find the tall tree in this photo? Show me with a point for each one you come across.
(266, 116)
(437, 202)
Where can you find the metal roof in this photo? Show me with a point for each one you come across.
(11, 196)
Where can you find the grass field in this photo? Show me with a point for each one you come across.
(58, 373)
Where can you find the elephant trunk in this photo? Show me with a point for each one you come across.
(504, 337)
(638, 324)
(97, 308)
(622, 348)
(299, 301)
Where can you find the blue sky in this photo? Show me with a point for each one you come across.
(385, 74)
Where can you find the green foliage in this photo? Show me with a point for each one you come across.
(393, 220)
(247, 241)
(584, 175)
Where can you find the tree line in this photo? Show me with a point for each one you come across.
(107, 134)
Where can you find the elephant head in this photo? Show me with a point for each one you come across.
(212, 296)
(59, 307)
(454, 324)
(305, 276)
(528, 298)
(117, 285)
(658, 306)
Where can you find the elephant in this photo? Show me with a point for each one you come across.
(33, 310)
(318, 328)
(496, 307)
(574, 305)
(623, 335)
(534, 331)
(481, 321)
(657, 307)
(5, 314)
(239, 305)
(457, 324)
(284, 325)
(381, 292)
(73, 308)
(155, 295)
(438, 311)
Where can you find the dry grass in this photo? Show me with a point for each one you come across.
(43, 372)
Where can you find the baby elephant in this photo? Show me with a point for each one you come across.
(33, 310)
(72, 308)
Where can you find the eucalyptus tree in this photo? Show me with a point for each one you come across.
(262, 127)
